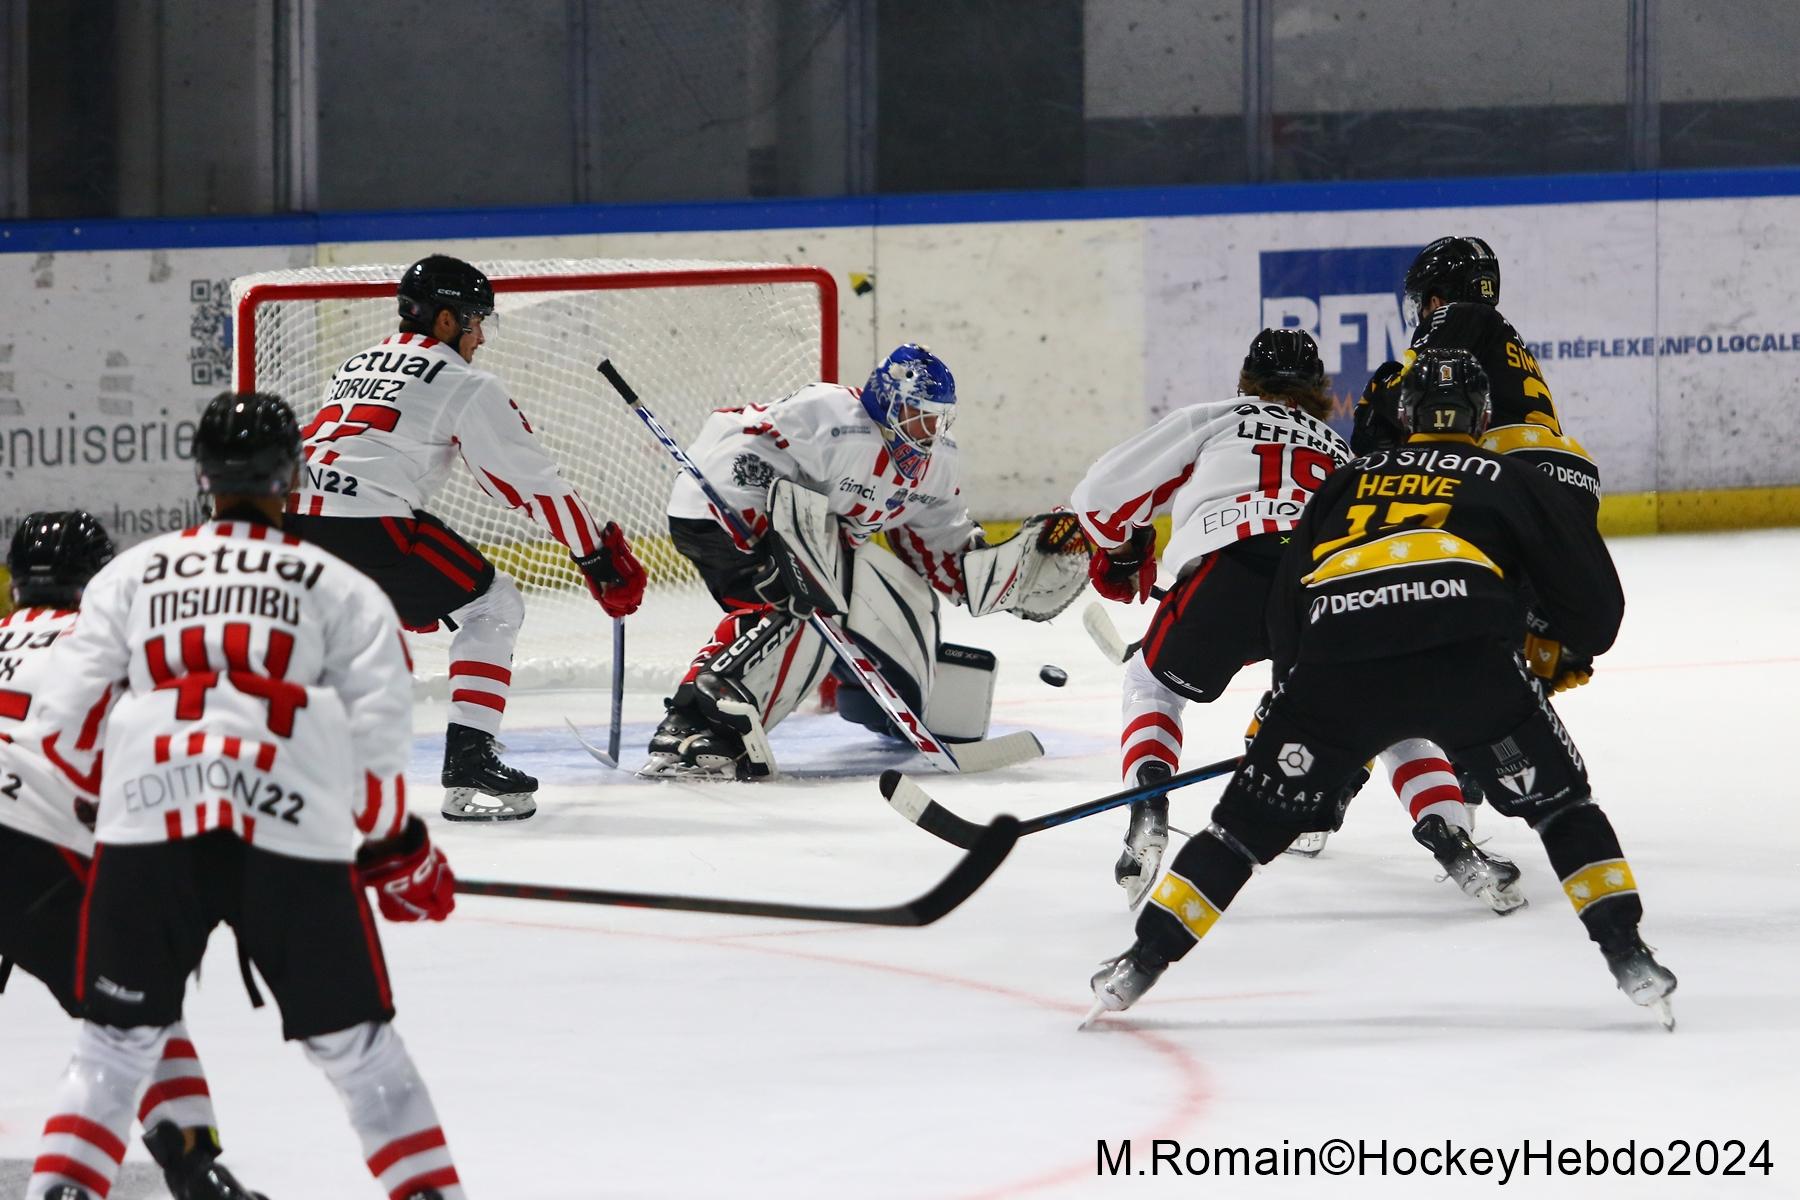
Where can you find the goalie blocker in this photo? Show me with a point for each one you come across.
(765, 658)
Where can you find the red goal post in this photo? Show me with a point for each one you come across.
(693, 336)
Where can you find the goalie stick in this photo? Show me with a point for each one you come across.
(985, 854)
(968, 757)
(910, 801)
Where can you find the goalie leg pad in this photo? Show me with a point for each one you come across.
(808, 550)
(893, 614)
(773, 661)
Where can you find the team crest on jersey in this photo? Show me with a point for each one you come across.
(749, 471)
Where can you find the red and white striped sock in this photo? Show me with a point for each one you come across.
(390, 1109)
(178, 1090)
(1425, 782)
(84, 1140)
(1152, 721)
(481, 655)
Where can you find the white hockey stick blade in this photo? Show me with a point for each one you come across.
(993, 753)
(1100, 627)
(1093, 1015)
(592, 749)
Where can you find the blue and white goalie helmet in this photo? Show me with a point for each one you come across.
(912, 396)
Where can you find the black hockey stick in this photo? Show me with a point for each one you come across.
(618, 690)
(985, 854)
(610, 755)
(910, 801)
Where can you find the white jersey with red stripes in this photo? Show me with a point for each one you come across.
(396, 418)
(35, 796)
(1224, 470)
(265, 690)
(823, 439)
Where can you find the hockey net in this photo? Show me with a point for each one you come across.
(689, 336)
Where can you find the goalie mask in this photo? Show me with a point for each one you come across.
(912, 396)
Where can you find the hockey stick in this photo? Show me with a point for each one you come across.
(610, 755)
(910, 801)
(618, 691)
(1106, 635)
(985, 854)
(967, 757)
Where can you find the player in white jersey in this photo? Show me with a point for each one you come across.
(1234, 475)
(396, 419)
(856, 463)
(253, 774)
(47, 844)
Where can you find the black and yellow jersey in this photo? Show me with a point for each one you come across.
(1516, 386)
(1439, 541)
(1524, 421)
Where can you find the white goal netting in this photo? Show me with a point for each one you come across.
(690, 337)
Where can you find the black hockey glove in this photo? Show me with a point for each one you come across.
(1375, 423)
(761, 580)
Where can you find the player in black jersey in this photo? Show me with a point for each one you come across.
(1452, 293)
(1396, 613)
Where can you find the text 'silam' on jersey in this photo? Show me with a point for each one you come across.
(1434, 542)
(36, 796)
(395, 420)
(823, 439)
(266, 691)
(1224, 470)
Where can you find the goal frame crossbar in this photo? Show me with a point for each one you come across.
(244, 333)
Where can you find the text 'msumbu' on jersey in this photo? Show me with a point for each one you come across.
(1432, 543)
(266, 692)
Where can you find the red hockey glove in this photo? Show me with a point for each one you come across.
(1126, 573)
(411, 877)
(614, 576)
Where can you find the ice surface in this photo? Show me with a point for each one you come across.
(585, 1052)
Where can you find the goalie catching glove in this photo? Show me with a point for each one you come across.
(1034, 574)
(614, 576)
(1127, 572)
(411, 877)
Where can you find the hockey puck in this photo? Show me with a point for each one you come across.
(1054, 676)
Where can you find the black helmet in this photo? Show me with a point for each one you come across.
(54, 554)
(1456, 268)
(247, 444)
(438, 282)
(1445, 391)
(1284, 355)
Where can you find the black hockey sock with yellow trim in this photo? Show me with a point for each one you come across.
(1205, 877)
(1585, 853)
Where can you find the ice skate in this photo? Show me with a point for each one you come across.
(679, 724)
(1146, 838)
(192, 1169)
(477, 785)
(1121, 981)
(1308, 845)
(1644, 981)
(1489, 878)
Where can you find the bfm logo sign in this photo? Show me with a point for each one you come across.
(1350, 301)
